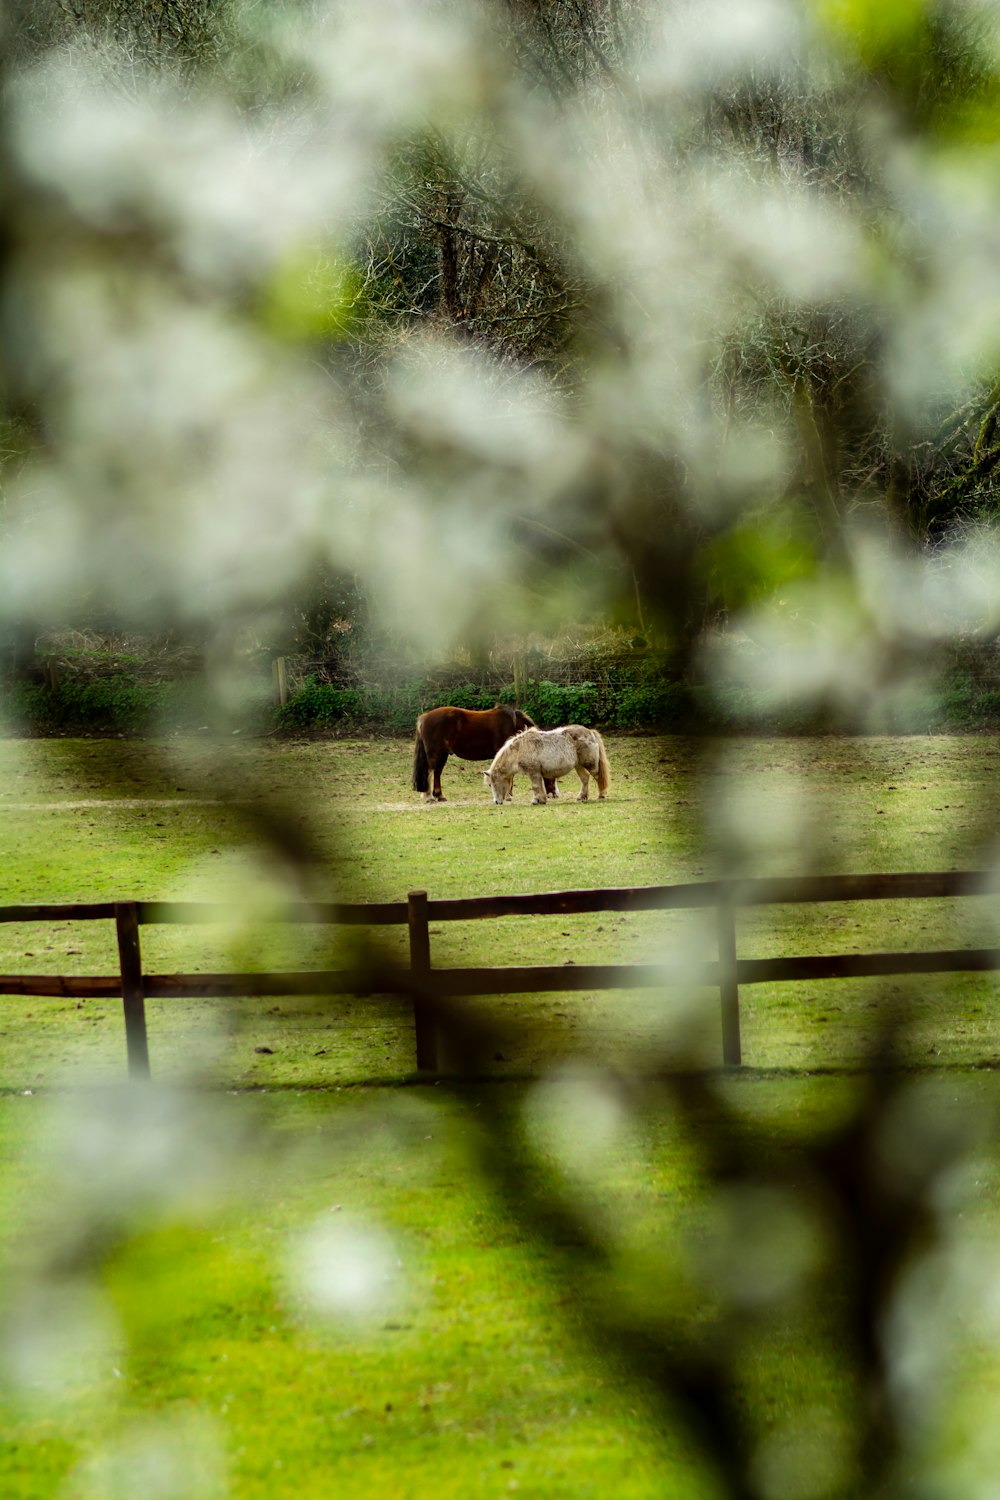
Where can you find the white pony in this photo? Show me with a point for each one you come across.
(550, 753)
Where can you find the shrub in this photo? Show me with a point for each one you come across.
(551, 704)
(989, 708)
(963, 705)
(116, 704)
(104, 705)
(468, 696)
(670, 706)
(318, 705)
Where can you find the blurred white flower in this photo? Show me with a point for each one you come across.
(175, 1457)
(457, 399)
(345, 1270)
(943, 325)
(190, 466)
(59, 1340)
(785, 236)
(760, 1243)
(804, 1458)
(577, 1116)
(810, 645)
(227, 195)
(392, 64)
(757, 830)
(135, 1154)
(696, 43)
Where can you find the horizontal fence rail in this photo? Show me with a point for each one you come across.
(424, 983)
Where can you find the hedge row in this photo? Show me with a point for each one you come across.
(118, 705)
(122, 706)
(960, 704)
(320, 706)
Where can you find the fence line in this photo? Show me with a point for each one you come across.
(423, 982)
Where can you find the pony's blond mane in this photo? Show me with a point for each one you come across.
(507, 752)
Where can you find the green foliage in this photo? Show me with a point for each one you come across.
(320, 705)
(470, 696)
(753, 560)
(312, 296)
(111, 704)
(938, 62)
(122, 705)
(965, 705)
(962, 701)
(552, 703)
(669, 706)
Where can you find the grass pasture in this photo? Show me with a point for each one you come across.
(110, 819)
(262, 1277)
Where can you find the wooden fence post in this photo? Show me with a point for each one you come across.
(279, 681)
(133, 994)
(520, 678)
(729, 990)
(420, 973)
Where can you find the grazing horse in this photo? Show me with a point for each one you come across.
(471, 733)
(547, 753)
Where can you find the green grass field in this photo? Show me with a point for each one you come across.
(101, 820)
(277, 1271)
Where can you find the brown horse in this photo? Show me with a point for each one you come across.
(471, 733)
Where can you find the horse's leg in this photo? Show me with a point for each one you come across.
(551, 788)
(584, 776)
(538, 787)
(442, 761)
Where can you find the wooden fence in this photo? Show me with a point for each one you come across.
(421, 980)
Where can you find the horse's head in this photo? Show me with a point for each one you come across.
(522, 721)
(500, 784)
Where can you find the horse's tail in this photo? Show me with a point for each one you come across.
(603, 768)
(420, 766)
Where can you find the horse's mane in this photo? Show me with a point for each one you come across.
(508, 751)
(514, 717)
